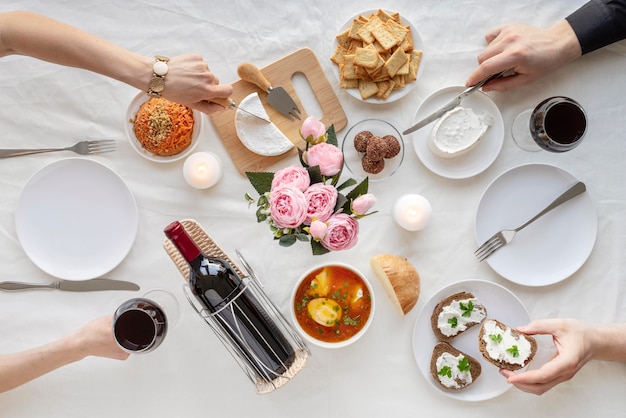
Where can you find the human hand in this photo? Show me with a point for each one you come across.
(530, 52)
(190, 82)
(96, 339)
(574, 350)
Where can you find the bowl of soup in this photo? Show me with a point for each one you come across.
(332, 305)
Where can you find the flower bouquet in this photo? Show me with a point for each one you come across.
(304, 203)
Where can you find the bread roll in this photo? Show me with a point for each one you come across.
(401, 280)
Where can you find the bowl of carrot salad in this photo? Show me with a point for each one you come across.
(161, 130)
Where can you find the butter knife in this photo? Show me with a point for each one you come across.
(73, 286)
(453, 103)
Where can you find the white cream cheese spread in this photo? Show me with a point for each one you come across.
(448, 371)
(455, 317)
(257, 135)
(502, 345)
(458, 131)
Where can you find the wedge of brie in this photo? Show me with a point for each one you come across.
(257, 135)
(458, 131)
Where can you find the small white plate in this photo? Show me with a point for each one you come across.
(501, 304)
(553, 247)
(477, 160)
(139, 99)
(418, 44)
(76, 219)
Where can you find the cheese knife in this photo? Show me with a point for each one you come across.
(453, 103)
(231, 104)
(73, 286)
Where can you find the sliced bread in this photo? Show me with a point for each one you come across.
(504, 347)
(456, 314)
(452, 368)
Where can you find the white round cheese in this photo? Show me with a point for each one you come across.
(259, 136)
(458, 131)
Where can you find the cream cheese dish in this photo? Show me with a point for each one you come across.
(456, 375)
(502, 345)
(458, 131)
(454, 319)
(257, 135)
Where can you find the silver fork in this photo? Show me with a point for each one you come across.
(82, 148)
(500, 239)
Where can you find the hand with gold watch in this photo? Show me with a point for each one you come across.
(159, 70)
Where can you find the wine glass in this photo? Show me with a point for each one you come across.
(557, 124)
(141, 324)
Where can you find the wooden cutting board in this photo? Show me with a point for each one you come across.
(280, 73)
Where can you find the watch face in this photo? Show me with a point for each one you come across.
(156, 85)
(160, 68)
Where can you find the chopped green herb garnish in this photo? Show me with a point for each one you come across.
(445, 371)
(514, 351)
(349, 321)
(453, 321)
(496, 338)
(464, 365)
(467, 309)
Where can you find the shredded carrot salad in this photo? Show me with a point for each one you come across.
(163, 127)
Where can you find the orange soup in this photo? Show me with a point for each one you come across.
(332, 304)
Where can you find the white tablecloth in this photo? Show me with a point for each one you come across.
(191, 374)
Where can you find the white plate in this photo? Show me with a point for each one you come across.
(501, 304)
(418, 44)
(76, 219)
(477, 160)
(554, 246)
(139, 99)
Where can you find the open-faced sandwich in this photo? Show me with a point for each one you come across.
(504, 347)
(452, 368)
(455, 314)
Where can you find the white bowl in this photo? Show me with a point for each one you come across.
(339, 344)
(139, 99)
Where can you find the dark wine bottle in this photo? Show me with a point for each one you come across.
(235, 308)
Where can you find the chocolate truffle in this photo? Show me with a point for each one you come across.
(372, 166)
(361, 139)
(376, 148)
(393, 146)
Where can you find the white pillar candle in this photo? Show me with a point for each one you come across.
(202, 170)
(412, 212)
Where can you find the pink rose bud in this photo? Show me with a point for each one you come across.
(363, 203)
(328, 157)
(313, 131)
(318, 229)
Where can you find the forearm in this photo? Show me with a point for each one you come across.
(19, 368)
(26, 33)
(608, 342)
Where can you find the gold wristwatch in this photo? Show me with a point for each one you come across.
(159, 70)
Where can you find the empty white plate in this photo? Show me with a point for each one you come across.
(76, 219)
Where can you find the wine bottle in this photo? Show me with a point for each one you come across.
(234, 307)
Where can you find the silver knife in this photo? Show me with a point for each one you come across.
(73, 286)
(452, 104)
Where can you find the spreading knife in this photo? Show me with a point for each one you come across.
(453, 103)
(231, 104)
(73, 286)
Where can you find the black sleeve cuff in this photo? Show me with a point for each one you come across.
(599, 23)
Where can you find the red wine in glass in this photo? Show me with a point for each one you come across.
(139, 325)
(557, 124)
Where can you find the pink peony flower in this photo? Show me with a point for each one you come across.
(363, 203)
(327, 156)
(288, 206)
(313, 131)
(321, 200)
(318, 229)
(293, 175)
(342, 234)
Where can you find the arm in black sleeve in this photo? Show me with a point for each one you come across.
(599, 23)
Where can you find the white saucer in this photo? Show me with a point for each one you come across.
(76, 219)
(501, 304)
(477, 160)
(553, 247)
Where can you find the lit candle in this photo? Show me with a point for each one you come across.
(202, 170)
(412, 212)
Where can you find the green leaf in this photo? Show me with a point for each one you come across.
(342, 202)
(317, 248)
(332, 135)
(345, 184)
(261, 215)
(445, 371)
(315, 174)
(262, 181)
(496, 338)
(287, 240)
(302, 237)
(467, 309)
(454, 322)
(464, 365)
(514, 351)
